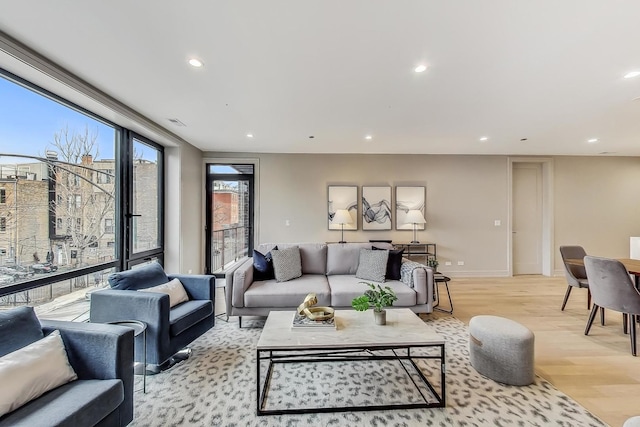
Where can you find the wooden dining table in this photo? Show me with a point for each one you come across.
(632, 266)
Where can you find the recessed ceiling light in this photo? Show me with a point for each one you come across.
(484, 138)
(368, 137)
(420, 68)
(632, 74)
(592, 140)
(195, 62)
(249, 135)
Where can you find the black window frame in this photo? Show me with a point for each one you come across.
(123, 162)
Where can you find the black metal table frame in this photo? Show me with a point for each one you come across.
(344, 354)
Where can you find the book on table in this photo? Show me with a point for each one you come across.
(300, 321)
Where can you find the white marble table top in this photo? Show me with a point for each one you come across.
(353, 329)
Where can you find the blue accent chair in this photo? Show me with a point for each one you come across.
(101, 356)
(168, 329)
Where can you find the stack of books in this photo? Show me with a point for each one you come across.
(300, 321)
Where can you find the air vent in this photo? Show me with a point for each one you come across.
(176, 122)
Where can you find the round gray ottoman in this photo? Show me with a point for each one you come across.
(632, 422)
(501, 349)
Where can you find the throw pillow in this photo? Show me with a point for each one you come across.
(372, 265)
(19, 327)
(145, 276)
(174, 289)
(263, 265)
(31, 371)
(394, 262)
(287, 264)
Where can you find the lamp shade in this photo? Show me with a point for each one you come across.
(414, 216)
(342, 216)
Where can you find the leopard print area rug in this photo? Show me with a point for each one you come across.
(216, 387)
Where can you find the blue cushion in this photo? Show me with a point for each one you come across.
(78, 403)
(185, 315)
(19, 327)
(147, 276)
(263, 266)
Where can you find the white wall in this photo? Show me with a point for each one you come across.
(596, 202)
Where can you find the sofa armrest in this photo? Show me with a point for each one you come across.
(99, 351)
(238, 282)
(423, 285)
(198, 286)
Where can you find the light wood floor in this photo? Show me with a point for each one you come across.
(597, 370)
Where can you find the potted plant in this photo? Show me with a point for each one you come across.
(433, 263)
(378, 298)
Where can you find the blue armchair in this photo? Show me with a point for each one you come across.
(169, 329)
(100, 355)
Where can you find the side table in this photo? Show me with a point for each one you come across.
(138, 328)
(437, 279)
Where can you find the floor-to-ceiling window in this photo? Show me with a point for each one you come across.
(229, 215)
(80, 197)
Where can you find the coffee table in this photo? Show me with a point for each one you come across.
(356, 338)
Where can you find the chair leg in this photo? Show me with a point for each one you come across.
(588, 299)
(632, 332)
(625, 323)
(602, 315)
(592, 316)
(566, 297)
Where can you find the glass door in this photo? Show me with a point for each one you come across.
(229, 215)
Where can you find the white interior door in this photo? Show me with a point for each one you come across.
(527, 218)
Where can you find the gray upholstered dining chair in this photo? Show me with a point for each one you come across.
(612, 288)
(575, 274)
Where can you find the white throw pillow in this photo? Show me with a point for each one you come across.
(31, 371)
(174, 289)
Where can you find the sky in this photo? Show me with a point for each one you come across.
(29, 121)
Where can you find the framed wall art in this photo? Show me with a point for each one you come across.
(409, 198)
(376, 208)
(342, 197)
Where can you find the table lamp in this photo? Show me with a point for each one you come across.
(415, 217)
(342, 217)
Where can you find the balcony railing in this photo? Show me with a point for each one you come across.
(228, 246)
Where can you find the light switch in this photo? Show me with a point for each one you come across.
(287, 222)
(497, 223)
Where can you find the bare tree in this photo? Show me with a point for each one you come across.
(84, 192)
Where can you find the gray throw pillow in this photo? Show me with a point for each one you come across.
(372, 265)
(287, 264)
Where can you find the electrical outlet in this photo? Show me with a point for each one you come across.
(460, 262)
(189, 271)
(497, 223)
(447, 263)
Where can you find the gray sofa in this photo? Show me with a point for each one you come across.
(101, 356)
(329, 271)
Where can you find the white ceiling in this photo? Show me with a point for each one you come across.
(549, 71)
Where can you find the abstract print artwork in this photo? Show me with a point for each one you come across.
(343, 197)
(409, 198)
(376, 208)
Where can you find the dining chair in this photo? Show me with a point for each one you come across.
(612, 288)
(575, 274)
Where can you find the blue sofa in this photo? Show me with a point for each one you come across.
(101, 356)
(168, 329)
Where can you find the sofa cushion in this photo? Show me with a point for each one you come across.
(142, 277)
(314, 258)
(78, 403)
(372, 265)
(31, 371)
(344, 288)
(174, 289)
(342, 258)
(287, 264)
(262, 265)
(187, 314)
(270, 293)
(19, 327)
(394, 262)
